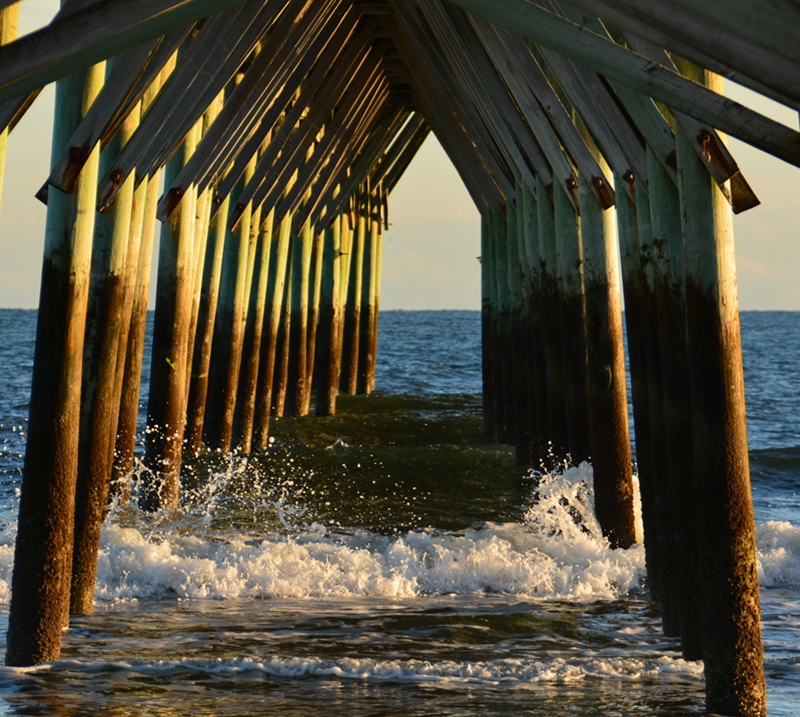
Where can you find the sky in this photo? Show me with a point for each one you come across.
(431, 250)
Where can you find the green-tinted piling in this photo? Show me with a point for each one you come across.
(667, 586)
(537, 370)
(369, 292)
(732, 647)
(328, 355)
(105, 331)
(43, 553)
(276, 285)
(280, 380)
(633, 283)
(668, 258)
(557, 434)
(226, 351)
(253, 335)
(573, 325)
(517, 339)
(143, 224)
(315, 299)
(487, 358)
(611, 447)
(352, 318)
(166, 406)
(297, 380)
(204, 334)
(502, 343)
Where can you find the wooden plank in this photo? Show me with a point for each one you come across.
(260, 82)
(103, 29)
(618, 141)
(270, 170)
(473, 52)
(472, 91)
(395, 174)
(205, 53)
(464, 154)
(431, 62)
(667, 25)
(542, 108)
(709, 146)
(641, 75)
(352, 105)
(210, 80)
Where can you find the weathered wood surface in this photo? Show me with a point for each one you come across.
(642, 75)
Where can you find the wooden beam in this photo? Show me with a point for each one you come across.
(101, 30)
(667, 25)
(641, 74)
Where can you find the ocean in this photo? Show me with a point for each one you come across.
(390, 561)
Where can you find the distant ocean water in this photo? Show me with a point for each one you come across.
(389, 561)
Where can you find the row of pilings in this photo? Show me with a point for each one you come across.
(555, 388)
(261, 320)
(268, 283)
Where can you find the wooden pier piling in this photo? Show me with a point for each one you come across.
(43, 553)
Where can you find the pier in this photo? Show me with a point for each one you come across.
(258, 143)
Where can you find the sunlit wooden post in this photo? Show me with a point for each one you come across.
(608, 413)
(204, 333)
(166, 407)
(43, 553)
(254, 332)
(105, 333)
(634, 286)
(226, 351)
(276, 285)
(328, 356)
(669, 273)
(732, 647)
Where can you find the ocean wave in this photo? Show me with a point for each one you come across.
(509, 672)
(557, 552)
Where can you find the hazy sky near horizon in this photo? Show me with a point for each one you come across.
(430, 253)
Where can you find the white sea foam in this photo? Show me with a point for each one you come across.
(778, 544)
(511, 672)
(557, 552)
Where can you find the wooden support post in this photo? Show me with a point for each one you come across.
(636, 320)
(226, 352)
(666, 589)
(557, 435)
(369, 290)
(352, 319)
(517, 339)
(503, 356)
(487, 331)
(105, 330)
(573, 325)
(537, 371)
(276, 284)
(608, 412)
(43, 553)
(204, 334)
(377, 313)
(297, 388)
(280, 380)
(253, 335)
(732, 647)
(346, 239)
(315, 299)
(146, 199)
(668, 264)
(328, 355)
(9, 18)
(166, 406)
